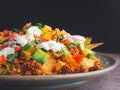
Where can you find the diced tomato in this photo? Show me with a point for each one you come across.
(21, 33)
(53, 37)
(66, 41)
(18, 48)
(2, 59)
(12, 37)
(5, 44)
(78, 58)
(6, 32)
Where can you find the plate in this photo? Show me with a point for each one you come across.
(53, 82)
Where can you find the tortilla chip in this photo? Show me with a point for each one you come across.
(91, 46)
(88, 40)
(48, 65)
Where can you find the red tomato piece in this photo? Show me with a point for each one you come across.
(53, 37)
(78, 58)
(5, 44)
(2, 58)
(21, 33)
(66, 41)
(6, 32)
(12, 37)
(18, 48)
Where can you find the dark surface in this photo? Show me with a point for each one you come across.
(109, 81)
(99, 19)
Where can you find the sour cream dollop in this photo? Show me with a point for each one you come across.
(75, 38)
(51, 45)
(7, 51)
(21, 39)
(24, 39)
(29, 37)
(34, 30)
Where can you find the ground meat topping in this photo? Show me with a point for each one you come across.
(28, 66)
(14, 72)
(65, 69)
(32, 67)
(73, 50)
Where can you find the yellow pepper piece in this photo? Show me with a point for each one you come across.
(63, 32)
(31, 50)
(47, 37)
(27, 54)
(53, 32)
(46, 29)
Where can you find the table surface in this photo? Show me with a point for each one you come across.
(109, 81)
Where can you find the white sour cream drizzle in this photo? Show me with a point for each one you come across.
(75, 38)
(7, 51)
(34, 30)
(51, 45)
(21, 39)
(29, 37)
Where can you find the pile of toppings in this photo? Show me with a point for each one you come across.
(40, 50)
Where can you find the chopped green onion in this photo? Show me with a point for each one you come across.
(22, 52)
(71, 44)
(16, 54)
(57, 38)
(44, 50)
(36, 41)
(85, 45)
(11, 57)
(64, 51)
(39, 25)
(16, 30)
(28, 45)
(18, 44)
(25, 31)
(5, 40)
(91, 54)
(11, 67)
(61, 37)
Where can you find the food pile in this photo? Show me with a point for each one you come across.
(41, 50)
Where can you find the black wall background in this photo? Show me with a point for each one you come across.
(98, 19)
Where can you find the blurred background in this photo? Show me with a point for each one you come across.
(97, 19)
